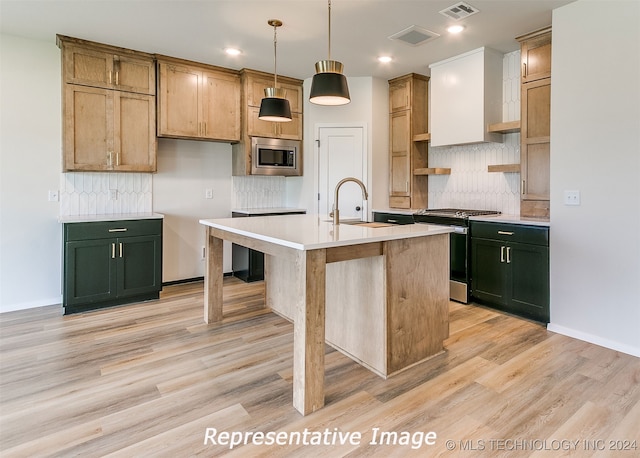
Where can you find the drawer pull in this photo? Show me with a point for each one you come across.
(505, 233)
(392, 221)
(120, 229)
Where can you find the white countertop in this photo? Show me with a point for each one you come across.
(512, 219)
(266, 211)
(308, 232)
(110, 217)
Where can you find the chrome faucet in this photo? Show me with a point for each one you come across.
(336, 213)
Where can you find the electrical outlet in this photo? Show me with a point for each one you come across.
(113, 194)
(53, 196)
(572, 197)
(208, 193)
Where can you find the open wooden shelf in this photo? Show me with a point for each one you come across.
(505, 127)
(505, 168)
(432, 171)
(422, 137)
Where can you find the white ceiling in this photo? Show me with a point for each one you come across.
(199, 30)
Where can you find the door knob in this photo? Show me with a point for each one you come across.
(358, 208)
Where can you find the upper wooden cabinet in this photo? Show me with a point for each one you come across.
(253, 85)
(535, 124)
(535, 55)
(107, 130)
(198, 101)
(108, 108)
(407, 119)
(96, 65)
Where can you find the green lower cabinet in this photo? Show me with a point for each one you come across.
(511, 276)
(102, 269)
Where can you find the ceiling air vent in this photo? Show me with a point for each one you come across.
(414, 35)
(459, 11)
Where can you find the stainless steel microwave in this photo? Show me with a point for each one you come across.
(274, 156)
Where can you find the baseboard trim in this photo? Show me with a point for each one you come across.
(190, 280)
(57, 301)
(606, 343)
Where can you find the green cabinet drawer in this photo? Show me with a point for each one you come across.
(518, 233)
(110, 229)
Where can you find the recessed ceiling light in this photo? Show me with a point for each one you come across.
(455, 29)
(385, 59)
(232, 51)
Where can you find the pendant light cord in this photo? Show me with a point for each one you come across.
(329, 30)
(275, 56)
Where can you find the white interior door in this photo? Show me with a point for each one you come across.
(342, 153)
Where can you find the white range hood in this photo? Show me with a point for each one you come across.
(466, 96)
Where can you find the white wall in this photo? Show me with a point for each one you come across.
(186, 169)
(369, 106)
(30, 164)
(595, 148)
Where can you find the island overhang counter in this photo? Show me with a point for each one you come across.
(378, 294)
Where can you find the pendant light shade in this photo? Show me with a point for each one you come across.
(329, 85)
(274, 106)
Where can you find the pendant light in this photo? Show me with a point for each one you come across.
(329, 85)
(274, 106)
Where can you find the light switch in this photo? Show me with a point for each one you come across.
(572, 197)
(208, 193)
(53, 196)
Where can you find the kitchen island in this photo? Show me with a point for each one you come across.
(383, 289)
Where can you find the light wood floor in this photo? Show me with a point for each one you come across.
(149, 379)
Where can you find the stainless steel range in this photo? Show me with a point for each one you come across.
(460, 244)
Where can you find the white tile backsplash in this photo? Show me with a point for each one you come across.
(470, 185)
(89, 193)
(258, 192)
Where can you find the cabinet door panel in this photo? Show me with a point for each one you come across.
(135, 139)
(530, 280)
(88, 127)
(535, 170)
(90, 274)
(178, 106)
(400, 154)
(87, 67)
(291, 130)
(399, 96)
(221, 106)
(536, 109)
(536, 58)
(489, 279)
(139, 265)
(134, 75)
(258, 128)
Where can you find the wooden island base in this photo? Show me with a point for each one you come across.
(383, 303)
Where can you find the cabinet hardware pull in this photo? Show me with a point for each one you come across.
(406, 186)
(508, 255)
(522, 186)
(121, 250)
(113, 251)
(117, 78)
(119, 229)
(118, 159)
(524, 70)
(205, 128)
(501, 254)
(110, 79)
(505, 233)
(392, 221)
